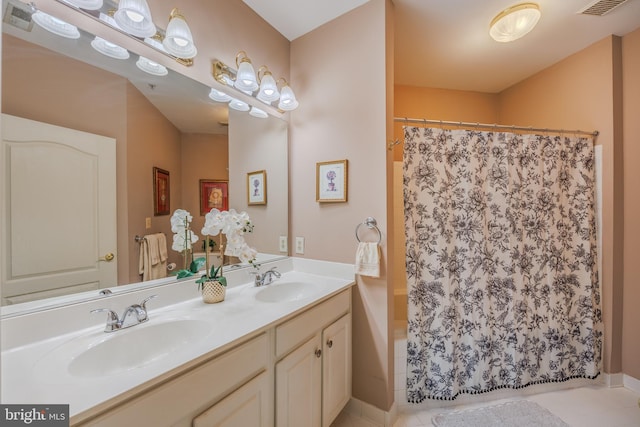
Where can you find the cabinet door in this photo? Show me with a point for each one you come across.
(336, 368)
(298, 385)
(247, 406)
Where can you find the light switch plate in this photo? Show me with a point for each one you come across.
(300, 245)
(147, 222)
(283, 244)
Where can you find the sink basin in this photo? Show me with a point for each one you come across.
(112, 353)
(287, 291)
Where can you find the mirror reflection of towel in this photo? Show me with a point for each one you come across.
(162, 247)
(151, 265)
(368, 259)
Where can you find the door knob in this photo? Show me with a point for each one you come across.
(108, 257)
(330, 343)
(318, 352)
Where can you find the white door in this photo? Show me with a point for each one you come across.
(298, 386)
(59, 216)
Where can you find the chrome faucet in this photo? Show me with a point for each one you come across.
(267, 277)
(114, 323)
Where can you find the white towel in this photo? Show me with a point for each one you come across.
(368, 259)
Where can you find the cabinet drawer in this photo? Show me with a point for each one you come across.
(295, 331)
(193, 391)
(246, 407)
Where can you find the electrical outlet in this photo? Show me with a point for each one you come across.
(283, 243)
(147, 222)
(300, 245)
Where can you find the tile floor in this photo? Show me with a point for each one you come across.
(587, 404)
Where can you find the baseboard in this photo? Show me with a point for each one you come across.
(613, 380)
(631, 383)
(372, 414)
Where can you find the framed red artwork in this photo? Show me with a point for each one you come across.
(213, 194)
(161, 192)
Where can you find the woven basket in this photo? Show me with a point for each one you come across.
(213, 292)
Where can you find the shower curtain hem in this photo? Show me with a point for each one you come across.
(532, 383)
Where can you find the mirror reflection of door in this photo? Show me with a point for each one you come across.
(59, 223)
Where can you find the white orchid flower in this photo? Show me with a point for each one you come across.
(183, 241)
(180, 220)
(247, 253)
(234, 243)
(214, 222)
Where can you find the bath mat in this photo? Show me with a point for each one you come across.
(519, 413)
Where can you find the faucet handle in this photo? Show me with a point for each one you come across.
(274, 272)
(112, 318)
(143, 304)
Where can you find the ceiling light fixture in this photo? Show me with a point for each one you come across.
(268, 88)
(246, 76)
(105, 47)
(514, 22)
(288, 101)
(219, 96)
(134, 17)
(245, 80)
(256, 112)
(236, 104)
(55, 25)
(109, 49)
(148, 66)
(178, 40)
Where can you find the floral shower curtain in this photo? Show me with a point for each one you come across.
(501, 261)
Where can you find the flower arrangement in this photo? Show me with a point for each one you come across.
(183, 241)
(234, 225)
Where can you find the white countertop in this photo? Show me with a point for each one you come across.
(30, 373)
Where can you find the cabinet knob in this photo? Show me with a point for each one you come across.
(318, 353)
(330, 343)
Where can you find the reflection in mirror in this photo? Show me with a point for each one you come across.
(167, 122)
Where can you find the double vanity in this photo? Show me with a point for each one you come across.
(278, 354)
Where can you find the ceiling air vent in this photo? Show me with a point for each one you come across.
(601, 7)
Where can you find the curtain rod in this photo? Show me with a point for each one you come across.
(495, 126)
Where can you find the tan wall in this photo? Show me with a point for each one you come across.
(267, 141)
(203, 157)
(580, 92)
(152, 140)
(441, 104)
(343, 116)
(391, 238)
(631, 135)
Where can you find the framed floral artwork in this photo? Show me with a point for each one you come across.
(331, 181)
(213, 194)
(257, 188)
(161, 192)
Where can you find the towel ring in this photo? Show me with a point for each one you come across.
(369, 222)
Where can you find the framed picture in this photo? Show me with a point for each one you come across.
(257, 188)
(331, 181)
(161, 192)
(213, 194)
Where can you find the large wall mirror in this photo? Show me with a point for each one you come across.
(165, 122)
